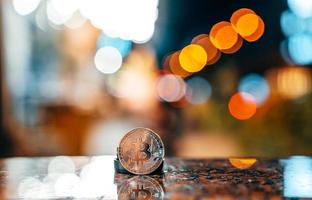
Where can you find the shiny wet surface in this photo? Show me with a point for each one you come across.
(94, 178)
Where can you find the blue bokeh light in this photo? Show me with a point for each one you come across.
(292, 24)
(255, 85)
(302, 8)
(298, 177)
(300, 48)
(124, 46)
(198, 90)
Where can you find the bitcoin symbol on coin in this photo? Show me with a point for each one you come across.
(140, 188)
(141, 151)
(139, 191)
(143, 154)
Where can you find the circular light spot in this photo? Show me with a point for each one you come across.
(76, 21)
(55, 16)
(182, 103)
(123, 46)
(23, 7)
(65, 8)
(30, 188)
(255, 85)
(292, 24)
(244, 20)
(239, 13)
(235, 48)
(300, 48)
(223, 36)
(166, 61)
(175, 66)
(198, 90)
(302, 8)
(242, 106)
(66, 184)
(213, 54)
(294, 82)
(108, 60)
(247, 24)
(170, 87)
(242, 163)
(258, 34)
(198, 37)
(193, 58)
(61, 165)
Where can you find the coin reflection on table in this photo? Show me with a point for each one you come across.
(141, 151)
(142, 188)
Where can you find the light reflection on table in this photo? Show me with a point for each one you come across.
(94, 178)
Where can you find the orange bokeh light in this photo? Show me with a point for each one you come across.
(198, 37)
(242, 106)
(247, 24)
(235, 48)
(166, 61)
(259, 32)
(182, 103)
(242, 163)
(223, 36)
(175, 66)
(213, 54)
(293, 82)
(193, 58)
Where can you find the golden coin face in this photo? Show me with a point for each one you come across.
(141, 151)
(141, 187)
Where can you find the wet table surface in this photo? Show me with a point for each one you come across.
(94, 178)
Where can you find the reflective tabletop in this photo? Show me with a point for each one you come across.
(95, 178)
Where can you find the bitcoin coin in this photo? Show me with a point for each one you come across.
(141, 188)
(141, 151)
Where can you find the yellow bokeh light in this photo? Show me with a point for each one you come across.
(223, 36)
(193, 58)
(242, 163)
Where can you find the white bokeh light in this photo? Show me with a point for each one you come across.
(65, 8)
(302, 8)
(55, 16)
(170, 88)
(23, 7)
(108, 60)
(66, 185)
(76, 21)
(61, 165)
(97, 178)
(129, 20)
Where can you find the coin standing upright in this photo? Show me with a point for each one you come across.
(141, 151)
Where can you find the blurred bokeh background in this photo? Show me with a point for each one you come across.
(76, 75)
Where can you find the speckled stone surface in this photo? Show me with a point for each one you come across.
(95, 178)
(217, 178)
